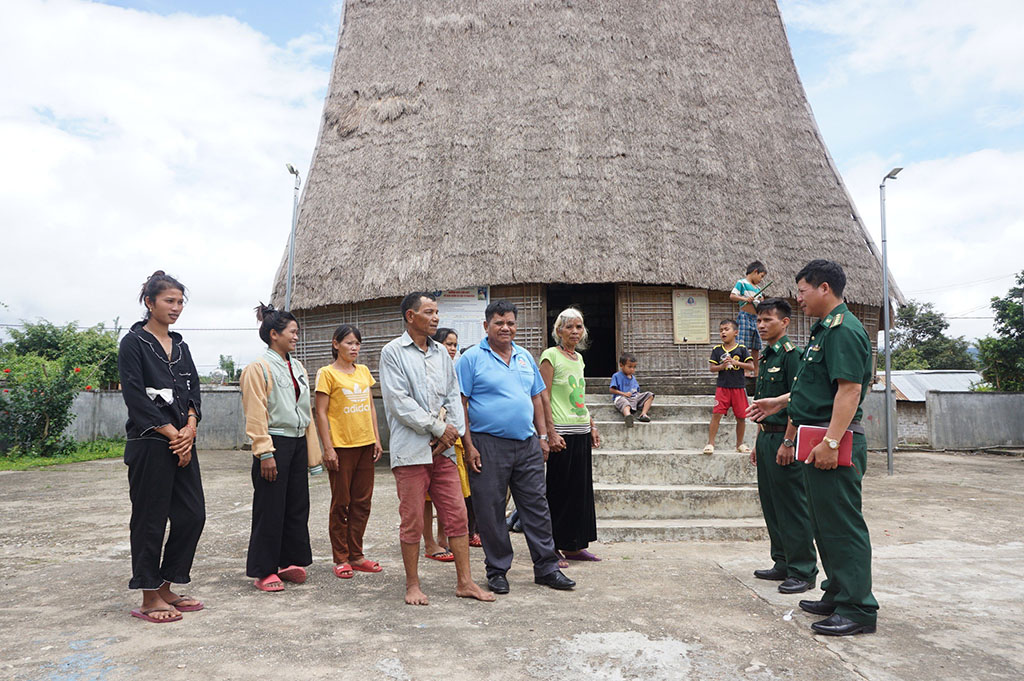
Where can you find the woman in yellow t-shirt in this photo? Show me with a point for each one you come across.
(347, 423)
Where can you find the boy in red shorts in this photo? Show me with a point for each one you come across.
(729, 360)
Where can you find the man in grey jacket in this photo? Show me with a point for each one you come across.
(424, 412)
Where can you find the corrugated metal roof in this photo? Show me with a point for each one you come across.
(912, 386)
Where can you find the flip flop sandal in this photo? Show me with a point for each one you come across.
(743, 449)
(709, 449)
(270, 584)
(344, 571)
(145, 616)
(293, 573)
(441, 556)
(367, 566)
(195, 607)
(475, 541)
(584, 556)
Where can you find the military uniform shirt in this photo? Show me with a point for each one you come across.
(777, 369)
(839, 349)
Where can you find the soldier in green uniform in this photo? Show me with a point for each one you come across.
(834, 375)
(780, 482)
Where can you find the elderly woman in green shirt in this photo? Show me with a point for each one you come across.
(570, 480)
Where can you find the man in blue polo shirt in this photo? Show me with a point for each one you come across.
(506, 444)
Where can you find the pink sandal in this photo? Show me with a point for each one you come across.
(344, 571)
(293, 573)
(270, 584)
(367, 566)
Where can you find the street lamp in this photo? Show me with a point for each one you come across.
(291, 239)
(885, 305)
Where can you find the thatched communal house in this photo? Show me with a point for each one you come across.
(605, 153)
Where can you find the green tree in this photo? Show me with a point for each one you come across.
(1002, 356)
(94, 347)
(227, 365)
(919, 340)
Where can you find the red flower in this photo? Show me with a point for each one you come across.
(6, 390)
(88, 387)
(77, 369)
(7, 371)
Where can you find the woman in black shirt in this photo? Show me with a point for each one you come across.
(160, 386)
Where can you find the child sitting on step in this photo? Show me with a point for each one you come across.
(626, 391)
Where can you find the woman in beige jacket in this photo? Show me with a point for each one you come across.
(285, 447)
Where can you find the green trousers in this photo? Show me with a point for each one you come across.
(842, 535)
(784, 504)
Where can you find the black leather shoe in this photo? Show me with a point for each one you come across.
(498, 584)
(774, 574)
(556, 580)
(837, 625)
(794, 586)
(818, 607)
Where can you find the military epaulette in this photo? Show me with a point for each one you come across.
(788, 346)
(836, 321)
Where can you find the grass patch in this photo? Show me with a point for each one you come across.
(106, 448)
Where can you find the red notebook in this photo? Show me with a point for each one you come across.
(807, 437)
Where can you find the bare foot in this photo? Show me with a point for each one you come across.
(471, 590)
(415, 596)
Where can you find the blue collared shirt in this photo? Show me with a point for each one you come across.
(500, 395)
(414, 386)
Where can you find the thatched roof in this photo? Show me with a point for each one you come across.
(467, 143)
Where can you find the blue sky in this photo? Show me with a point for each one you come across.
(153, 122)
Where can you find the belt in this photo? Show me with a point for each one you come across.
(854, 427)
(768, 428)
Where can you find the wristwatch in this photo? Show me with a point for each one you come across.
(832, 444)
(543, 437)
(788, 444)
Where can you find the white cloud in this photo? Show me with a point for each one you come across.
(135, 141)
(955, 228)
(946, 46)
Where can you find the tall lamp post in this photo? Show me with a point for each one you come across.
(291, 239)
(885, 306)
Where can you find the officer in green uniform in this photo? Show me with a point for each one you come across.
(834, 375)
(780, 482)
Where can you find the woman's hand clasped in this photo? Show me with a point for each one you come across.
(378, 451)
(181, 445)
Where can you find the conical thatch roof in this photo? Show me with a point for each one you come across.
(647, 141)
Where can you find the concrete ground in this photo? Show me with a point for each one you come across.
(948, 557)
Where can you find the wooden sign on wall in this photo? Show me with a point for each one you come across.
(690, 316)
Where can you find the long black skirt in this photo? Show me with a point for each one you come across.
(570, 482)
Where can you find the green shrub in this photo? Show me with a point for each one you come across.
(35, 403)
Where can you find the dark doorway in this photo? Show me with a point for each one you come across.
(597, 303)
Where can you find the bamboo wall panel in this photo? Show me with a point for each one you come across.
(646, 331)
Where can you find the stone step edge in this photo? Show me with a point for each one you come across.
(620, 487)
(659, 523)
(668, 452)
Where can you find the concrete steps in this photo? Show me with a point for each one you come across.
(660, 434)
(702, 529)
(653, 483)
(672, 467)
(675, 501)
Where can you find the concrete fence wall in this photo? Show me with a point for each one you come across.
(971, 420)
(103, 414)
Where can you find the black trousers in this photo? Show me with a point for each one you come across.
(570, 484)
(161, 491)
(517, 465)
(280, 511)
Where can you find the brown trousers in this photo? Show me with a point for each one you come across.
(351, 490)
